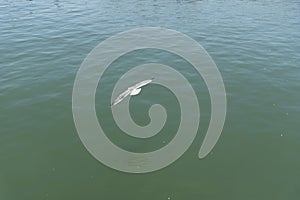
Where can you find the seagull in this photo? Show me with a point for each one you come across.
(133, 90)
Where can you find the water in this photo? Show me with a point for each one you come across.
(255, 45)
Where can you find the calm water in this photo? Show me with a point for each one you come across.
(256, 45)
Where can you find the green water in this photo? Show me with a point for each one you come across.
(256, 46)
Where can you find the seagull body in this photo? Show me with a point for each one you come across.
(133, 90)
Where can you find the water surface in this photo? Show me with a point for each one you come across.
(255, 45)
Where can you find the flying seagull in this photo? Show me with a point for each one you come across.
(133, 90)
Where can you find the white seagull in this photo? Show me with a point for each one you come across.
(133, 90)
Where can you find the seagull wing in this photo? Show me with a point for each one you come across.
(129, 90)
(142, 83)
(122, 96)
